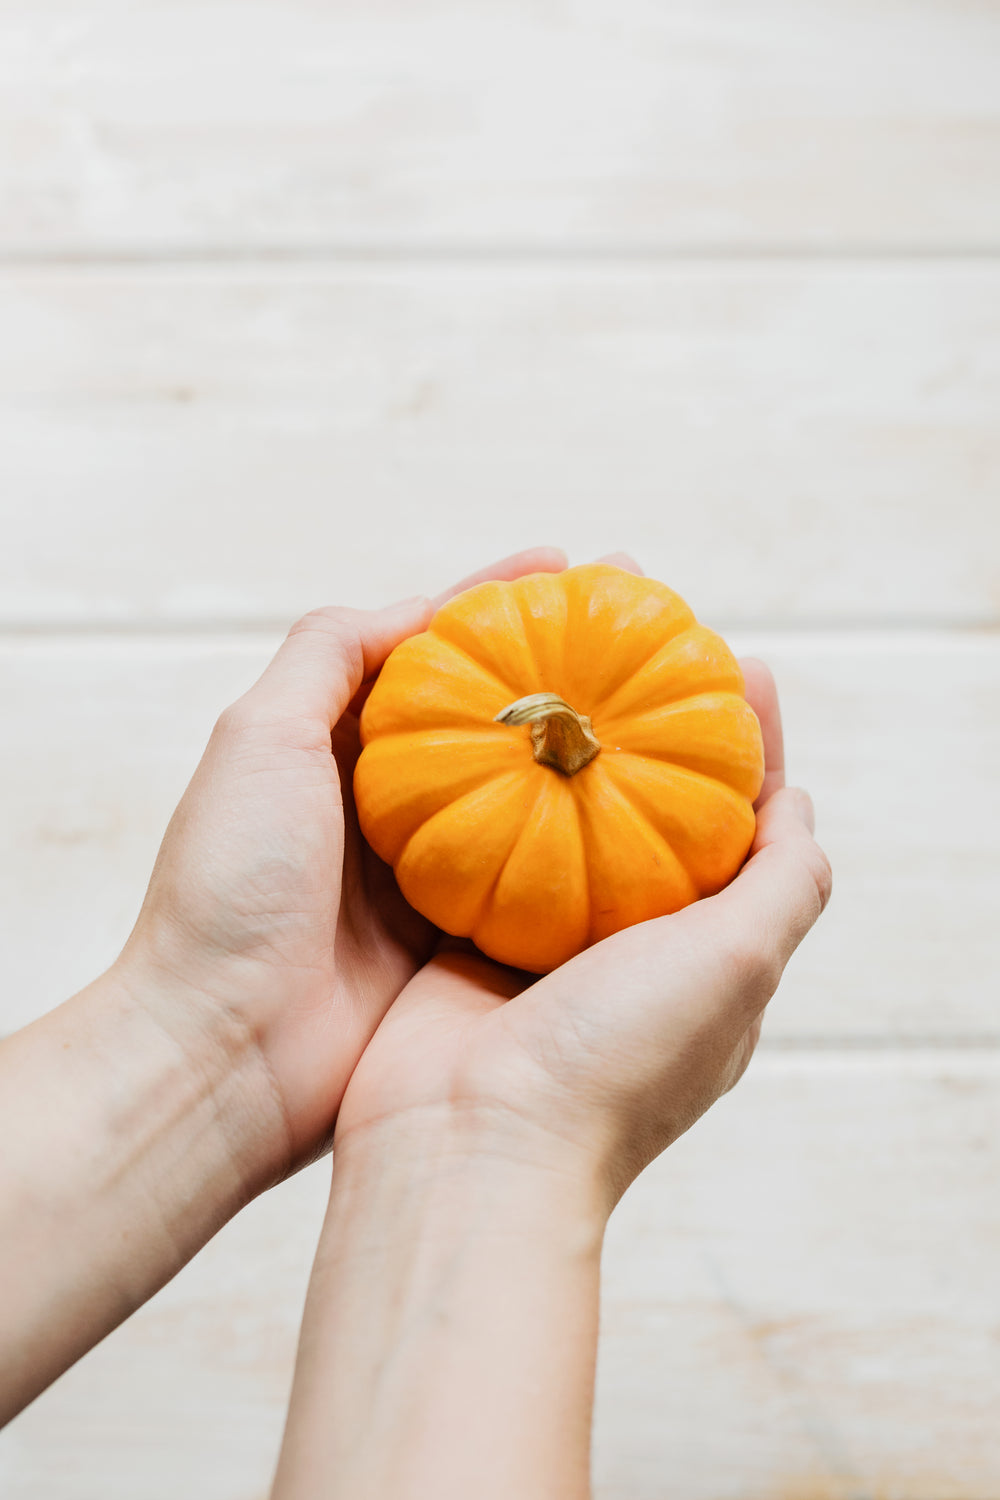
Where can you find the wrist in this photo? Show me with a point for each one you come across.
(439, 1154)
(209, 1053)
(450, 1330)
(132, 1147)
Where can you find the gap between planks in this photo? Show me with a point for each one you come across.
(153, 257)
(915, 1045)
(901, 630)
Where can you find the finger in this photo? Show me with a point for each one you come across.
(325, 658)
(533, 560)
(761, 917)
(622, 560)
(762, 696)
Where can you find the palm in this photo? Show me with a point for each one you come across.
(450, 1014)
(283, 912)
(380, 940)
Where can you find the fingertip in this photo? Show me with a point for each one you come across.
(761, 692)
(785, 833)
(508, 569)
(785, 812)
(327, 656)
(757, 671)
(550, 559)
(623, 560)
(759, 686)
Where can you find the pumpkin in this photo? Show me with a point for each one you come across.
(557, 758)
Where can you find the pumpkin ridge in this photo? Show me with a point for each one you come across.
(680, 628)
(682, 690)
(660, 644)
(508, 781)
(682, 762)
(641, 813)
(492, 890)
(701, 700)
(635, 796)
(529, 625)
(504, 686)
(586, 817)
(394, 821)
(585, 866)
(678, 762)
(444, 731)
(602, 598)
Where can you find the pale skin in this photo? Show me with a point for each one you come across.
(276, 985)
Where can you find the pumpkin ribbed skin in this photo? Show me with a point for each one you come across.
(532, 864)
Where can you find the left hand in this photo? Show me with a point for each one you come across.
(268, 923)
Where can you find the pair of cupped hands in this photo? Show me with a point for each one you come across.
(272, 935)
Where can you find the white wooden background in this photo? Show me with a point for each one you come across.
(306, 303)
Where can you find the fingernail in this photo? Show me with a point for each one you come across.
(804, 808)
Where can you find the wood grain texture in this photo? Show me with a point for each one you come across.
(306, 303)
(801, 1299)
(807, 444)
(800, 1303)
(166, 126)
(897, 738)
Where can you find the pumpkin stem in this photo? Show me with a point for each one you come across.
(560, 737)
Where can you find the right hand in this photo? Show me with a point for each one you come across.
(602, 1063)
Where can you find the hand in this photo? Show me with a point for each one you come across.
(268, 922)
(604, 1062)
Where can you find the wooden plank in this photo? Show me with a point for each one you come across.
(898, 737)
(169, 126)
(800, 1303)
(899, 740)
(801, 1299)
(805, 444)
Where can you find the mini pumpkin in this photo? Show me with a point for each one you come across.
(557, 758)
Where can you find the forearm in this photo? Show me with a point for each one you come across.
(450, 1332)
(120, 1159)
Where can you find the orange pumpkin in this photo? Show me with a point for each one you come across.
(557, 758)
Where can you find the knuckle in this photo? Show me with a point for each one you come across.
(334, 626)
(752, 968)
(817, 883)
(240, 719)
(822, 874)
(328, 619)
(232, 721)
(744, 1051)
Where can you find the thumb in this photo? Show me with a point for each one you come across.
(326, 657)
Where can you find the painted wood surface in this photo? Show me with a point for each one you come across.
(306, 303)
(898, 739)
(783, 444)
(164, 126)
(801, 1302)
(802, 1299)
